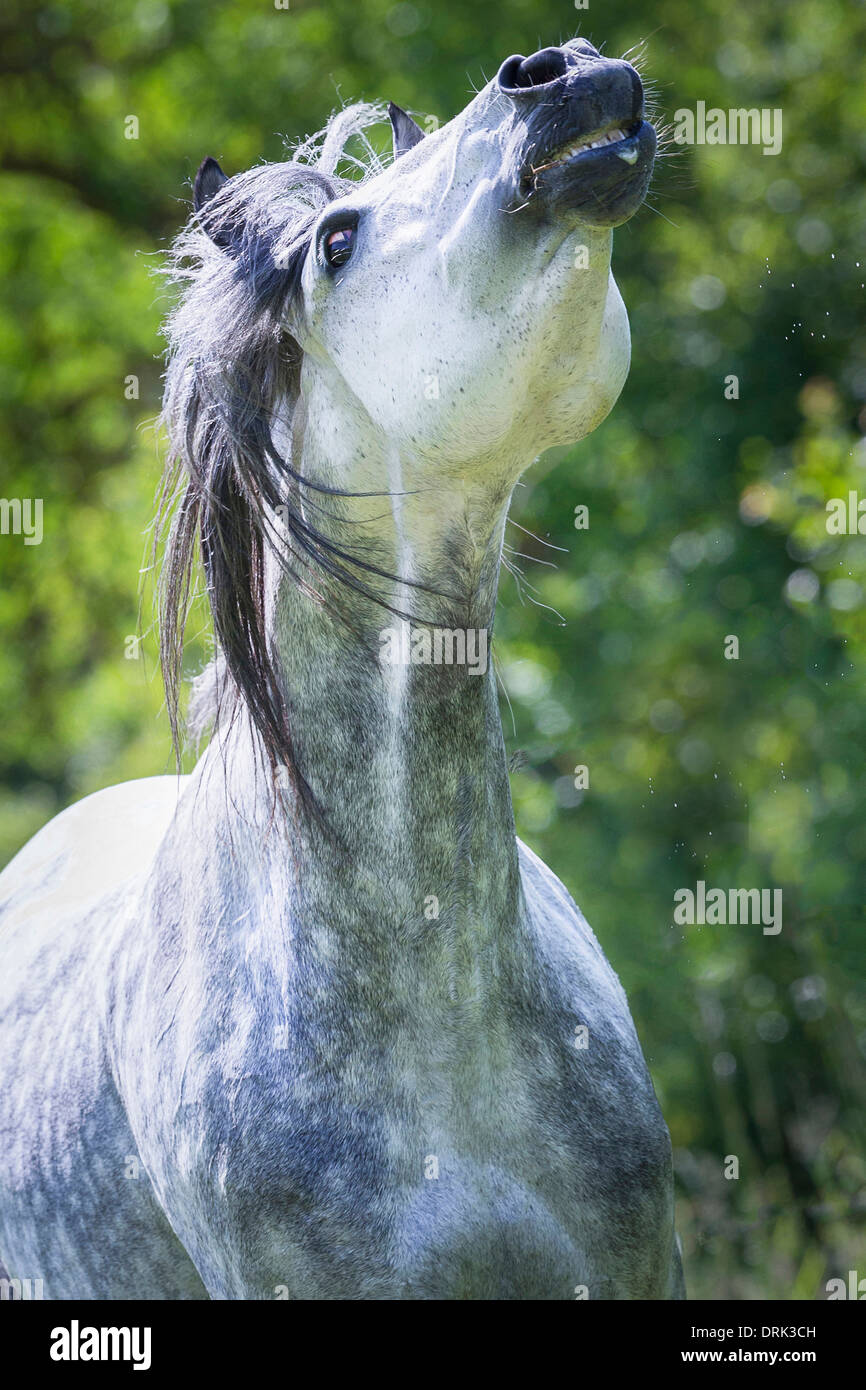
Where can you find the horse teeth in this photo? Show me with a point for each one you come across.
(629, 156)
(609, 137)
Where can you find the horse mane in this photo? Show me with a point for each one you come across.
(231, 365)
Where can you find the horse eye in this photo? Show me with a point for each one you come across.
(339, 245)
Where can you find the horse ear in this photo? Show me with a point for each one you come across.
(208, 181)
(406, 132)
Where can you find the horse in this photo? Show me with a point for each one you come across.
(311, 1022)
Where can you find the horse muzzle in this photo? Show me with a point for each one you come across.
(588, 152)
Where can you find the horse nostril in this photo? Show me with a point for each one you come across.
(540, 68)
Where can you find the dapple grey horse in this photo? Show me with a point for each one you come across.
(312, 1022)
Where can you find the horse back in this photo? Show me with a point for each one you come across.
(85, 854)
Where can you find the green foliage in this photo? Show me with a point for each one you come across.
(707, 518)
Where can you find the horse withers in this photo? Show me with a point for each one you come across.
(311, 1022)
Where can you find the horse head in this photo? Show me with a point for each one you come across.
(460, 301)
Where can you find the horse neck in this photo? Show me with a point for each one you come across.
(407, 761)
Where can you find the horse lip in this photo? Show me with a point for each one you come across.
(563, 162)
(602, 186)
(618, 137)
